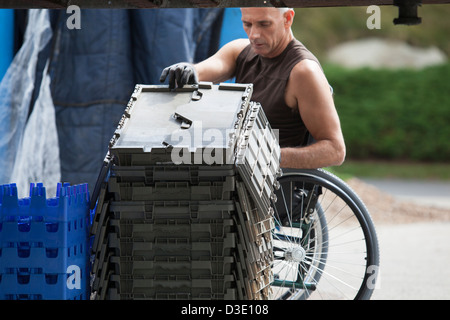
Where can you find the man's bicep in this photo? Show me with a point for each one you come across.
(315, 103)
(322, 121)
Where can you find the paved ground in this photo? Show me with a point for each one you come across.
(435, 193)
(415, 257)
(415, 262)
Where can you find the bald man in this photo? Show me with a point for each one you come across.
(287, 80)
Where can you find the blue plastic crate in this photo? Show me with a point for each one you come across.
(58, 222)
(34, 255)
(42, 241)
(34, 284)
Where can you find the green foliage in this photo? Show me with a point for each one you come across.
(393, 115)
(400, 114)
(320, 29)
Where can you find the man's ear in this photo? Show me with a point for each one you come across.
(289, 18)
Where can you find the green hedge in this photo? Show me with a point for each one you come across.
(394, 114)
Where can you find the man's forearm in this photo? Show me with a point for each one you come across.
(321, 154)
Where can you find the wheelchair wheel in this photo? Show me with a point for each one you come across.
(325, 245)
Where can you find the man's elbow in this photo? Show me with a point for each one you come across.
(340, 153)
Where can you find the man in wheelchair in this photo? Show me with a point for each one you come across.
(289, 83)
(287, 80)
(294, 93)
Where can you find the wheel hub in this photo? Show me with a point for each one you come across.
(296, 254)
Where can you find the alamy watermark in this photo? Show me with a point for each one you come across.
(373, 280)
(213, 146)
(74, 20)
(374, 20)
(74, 277)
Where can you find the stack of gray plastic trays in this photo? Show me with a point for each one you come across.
(185, 209)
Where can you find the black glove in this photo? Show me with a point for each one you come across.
(179, 74)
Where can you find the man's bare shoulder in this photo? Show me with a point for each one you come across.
(231, 50)
(306, 68)
(306, 78)
(236, 46)
(239, 43)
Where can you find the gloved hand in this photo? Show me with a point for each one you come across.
(179, 74)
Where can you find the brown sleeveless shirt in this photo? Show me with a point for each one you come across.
(269, 77)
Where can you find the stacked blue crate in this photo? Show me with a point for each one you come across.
(44, 243)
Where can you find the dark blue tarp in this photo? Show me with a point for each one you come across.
(94, 70)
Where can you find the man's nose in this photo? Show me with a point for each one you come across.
(253, 33)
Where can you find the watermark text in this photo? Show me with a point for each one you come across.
(74, 20)
(374, 20)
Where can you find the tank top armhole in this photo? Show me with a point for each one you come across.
(241, 57)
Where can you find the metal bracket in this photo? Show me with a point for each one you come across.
(407, 12)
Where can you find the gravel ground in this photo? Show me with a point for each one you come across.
(387, 209)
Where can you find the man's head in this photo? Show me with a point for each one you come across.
(268, 29)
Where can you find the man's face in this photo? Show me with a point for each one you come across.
(267, 29)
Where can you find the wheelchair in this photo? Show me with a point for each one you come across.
(325, 244)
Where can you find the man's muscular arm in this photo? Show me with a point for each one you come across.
(221, 66)
(217, 68)
(309, 91)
